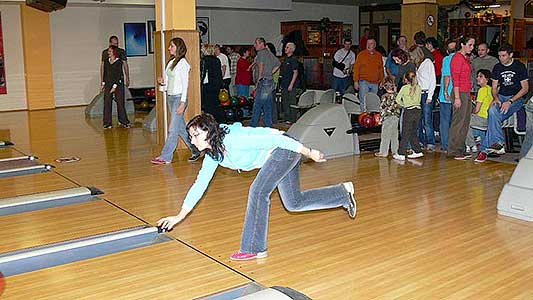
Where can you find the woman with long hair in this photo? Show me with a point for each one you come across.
(175, 84)
(425, 75)
(277, 156)
(113, 88)
(462, 107)
(211, 80)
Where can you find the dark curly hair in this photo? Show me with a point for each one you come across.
(215, 134)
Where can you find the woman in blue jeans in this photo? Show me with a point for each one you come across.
(278, 158)
(175, 84)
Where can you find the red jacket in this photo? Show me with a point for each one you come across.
(438, 62)
(461, 72)
(243, 76)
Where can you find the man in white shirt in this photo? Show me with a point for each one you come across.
(344, 59)
(224, 62)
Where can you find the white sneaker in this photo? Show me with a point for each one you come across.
(474, 149)
(415, 155)
(468, 149)
(399, 157)
(352, 205)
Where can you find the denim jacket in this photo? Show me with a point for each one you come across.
(247, 148)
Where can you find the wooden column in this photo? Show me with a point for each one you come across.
(179, 21)
(37, 49)
(415, 14)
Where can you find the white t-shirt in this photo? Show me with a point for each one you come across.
(224, 61)
(177, 80)
(348, 62)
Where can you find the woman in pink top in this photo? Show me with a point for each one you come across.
(462, 85)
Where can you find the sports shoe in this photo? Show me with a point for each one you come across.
(126, 125)
(474, 149)
(108, 126)
(247, 256)
(159, 161)
(481, 157)
(195, 156)
(463, 156)
(399, 157)
(430, 147)
(352, 206)
(496, 148)
(468, 149)
(415, 155)
(379, 154)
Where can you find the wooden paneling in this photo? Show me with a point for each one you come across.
(37, 49)
(192, 40)
(414, 19)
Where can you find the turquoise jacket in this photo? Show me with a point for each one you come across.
(247, 148)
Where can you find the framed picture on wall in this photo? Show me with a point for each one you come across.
(3, 83)
(151, 29)
(135, 37)
(202, 25)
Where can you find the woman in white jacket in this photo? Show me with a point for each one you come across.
(425, 74)
(175, 84)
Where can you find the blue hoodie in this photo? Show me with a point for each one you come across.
(247, 148)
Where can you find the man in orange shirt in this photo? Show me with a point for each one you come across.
(367, 71)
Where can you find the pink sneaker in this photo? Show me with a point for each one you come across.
(159, 161)
(247, 256)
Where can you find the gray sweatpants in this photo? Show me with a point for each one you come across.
(389, 135)
(476, 122)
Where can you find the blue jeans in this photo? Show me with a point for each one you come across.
(496, 117)
(282, 170)
(339, 84)
(176, 128)
(243, 90)
(426, 134)
(263, 103)
(364, 88)
(445, 114)
(528, 139)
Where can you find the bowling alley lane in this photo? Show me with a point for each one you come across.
(8, 152)
(14, 186)
(166, 270)
(41, 227)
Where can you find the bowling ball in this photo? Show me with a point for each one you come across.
(230, 114)
(368, 121)
(360, 117)
(234, 101)
(225, 103)
(243, 101)
(2, 283)
(145, 104)
(240, 113)
(377, 119)
(223, 96)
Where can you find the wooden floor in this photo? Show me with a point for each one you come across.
(424, 230)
